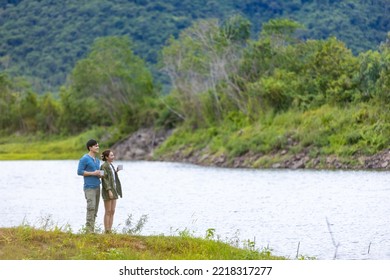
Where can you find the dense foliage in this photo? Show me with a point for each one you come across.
(215, 74)
(277, 94)
(43, 40)
(228, 89)
(216, 70)
(111, 86)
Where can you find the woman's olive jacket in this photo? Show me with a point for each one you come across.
(108, 182)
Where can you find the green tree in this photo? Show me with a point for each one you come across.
(77, 114)
(113, 82)
(48, 115)
(281, 30)
(6, 102)
(333, 68)
(203, 61)
(271, 51)
(382, 91)
(269, 66)
(18, 105)
(281, 71)
(29, 109)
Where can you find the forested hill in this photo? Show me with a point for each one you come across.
(43, 39)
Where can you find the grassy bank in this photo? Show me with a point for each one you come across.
(348, 134)
(320, 137)
(25, 242)
(22, 148)
(39, 147)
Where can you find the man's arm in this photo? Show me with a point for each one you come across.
(81, 169)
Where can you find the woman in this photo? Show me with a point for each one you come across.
(111, 188)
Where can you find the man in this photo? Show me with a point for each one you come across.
(89, 166)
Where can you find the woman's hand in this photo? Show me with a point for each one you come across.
(110, 194)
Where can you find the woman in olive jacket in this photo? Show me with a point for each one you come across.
(111, 188)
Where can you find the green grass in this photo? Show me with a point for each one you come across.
(43, 149)
(25, 242)
(27, 147)
(345, 133)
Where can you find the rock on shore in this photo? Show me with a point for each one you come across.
(140, 145)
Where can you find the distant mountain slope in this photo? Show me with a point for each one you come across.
(43, 39)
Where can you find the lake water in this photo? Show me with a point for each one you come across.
(279, 209)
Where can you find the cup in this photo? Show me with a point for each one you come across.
(102, 173)
(120, 167)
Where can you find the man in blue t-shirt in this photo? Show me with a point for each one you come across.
(89, 168)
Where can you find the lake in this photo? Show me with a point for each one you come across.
(289, 211)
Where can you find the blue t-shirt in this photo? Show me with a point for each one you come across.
(87, 163)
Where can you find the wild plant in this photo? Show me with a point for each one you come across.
(186, 233)
(210, 233)
(134, 229)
